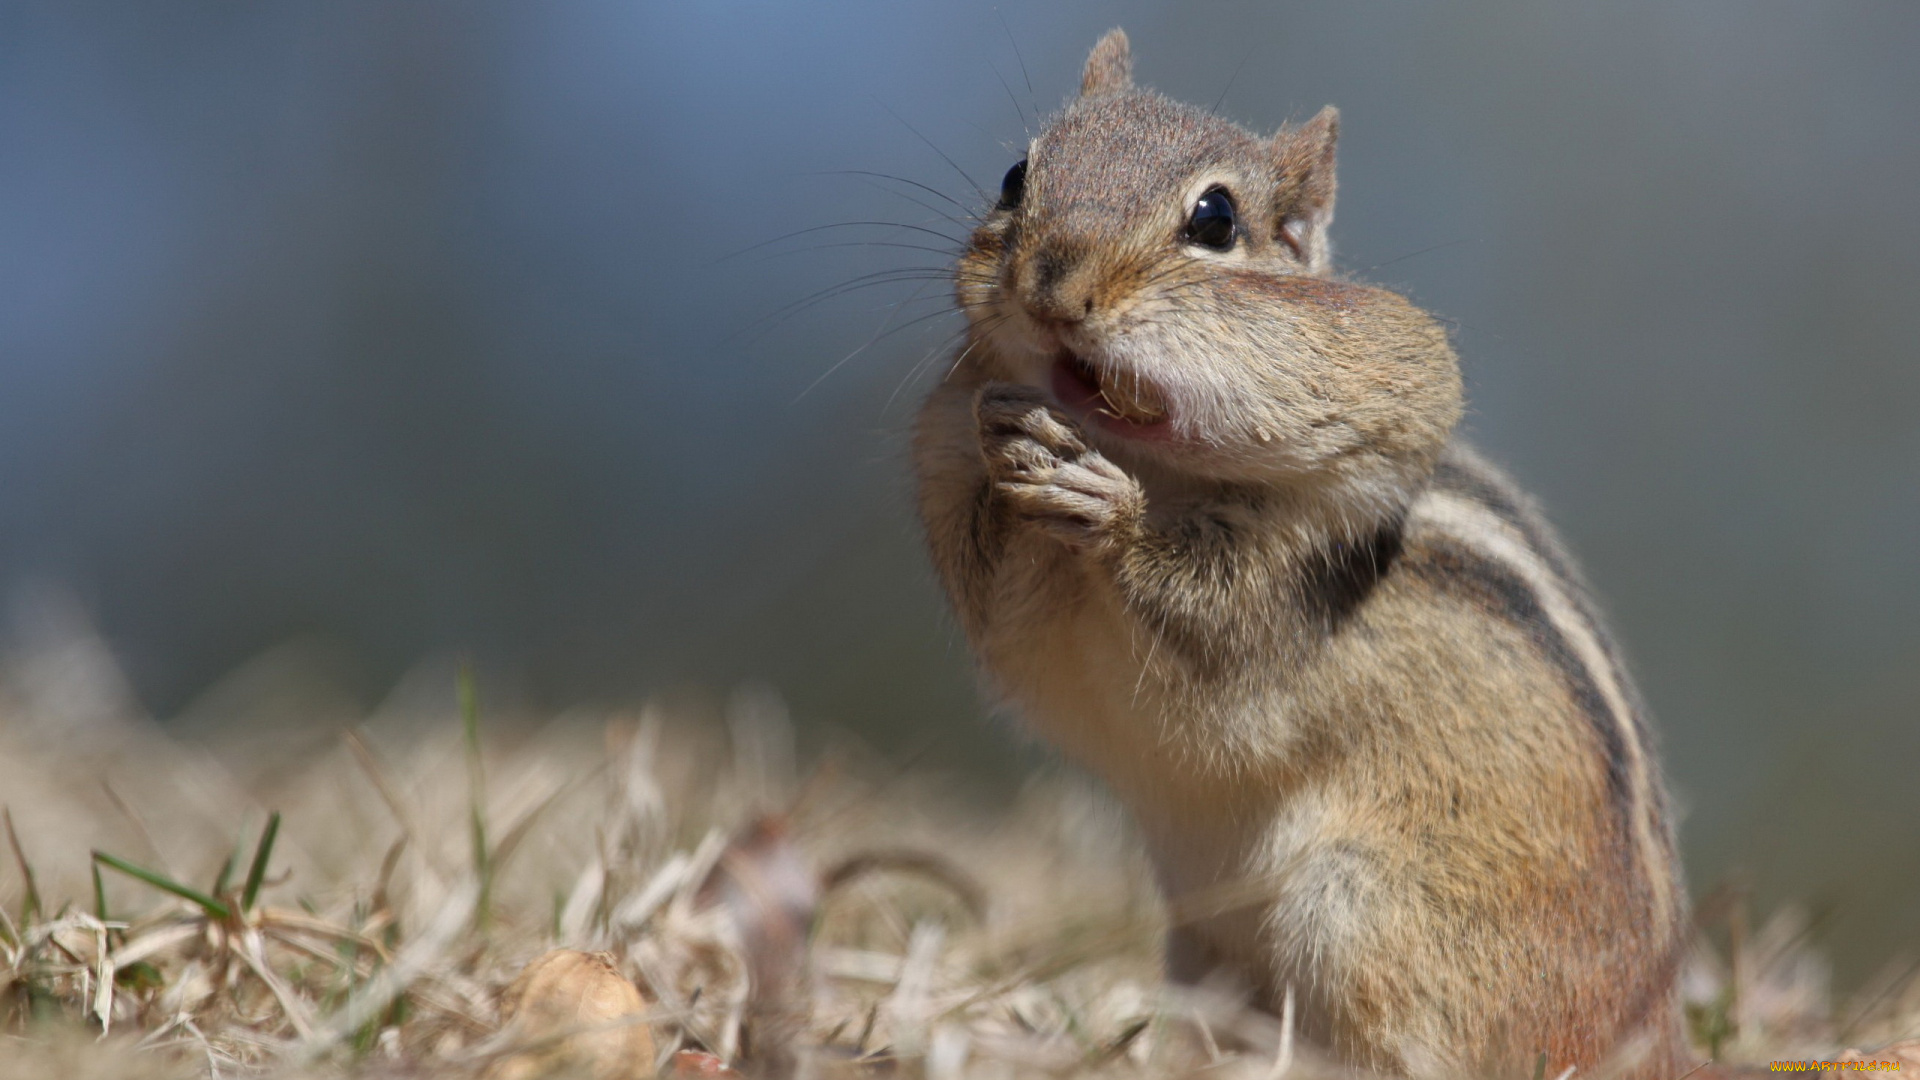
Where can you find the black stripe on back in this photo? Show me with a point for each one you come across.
(1453, 476)
(1489, 586)
(1334, 580)
(1456, 477)
(1464, 478)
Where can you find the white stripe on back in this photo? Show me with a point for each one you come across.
(1486, 533)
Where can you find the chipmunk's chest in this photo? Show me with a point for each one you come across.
(1089, 677)
(1082, 673)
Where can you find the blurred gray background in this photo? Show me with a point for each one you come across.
(398, 329)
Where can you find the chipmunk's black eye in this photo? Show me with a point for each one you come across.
(1014, 185)
(1212, 222)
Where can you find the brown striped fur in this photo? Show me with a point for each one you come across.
(1376, 738)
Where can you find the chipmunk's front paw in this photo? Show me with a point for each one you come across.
(1043, 471)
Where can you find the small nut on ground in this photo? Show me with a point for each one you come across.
(575, 1015)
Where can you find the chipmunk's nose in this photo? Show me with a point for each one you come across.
(1054, 285)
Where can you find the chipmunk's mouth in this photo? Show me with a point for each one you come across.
(1120, 402)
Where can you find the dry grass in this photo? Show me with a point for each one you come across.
(422, 858)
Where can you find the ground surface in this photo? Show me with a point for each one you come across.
(420, 861)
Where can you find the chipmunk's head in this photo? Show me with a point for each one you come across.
(1165, 274)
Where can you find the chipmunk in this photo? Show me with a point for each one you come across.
(1198, 503)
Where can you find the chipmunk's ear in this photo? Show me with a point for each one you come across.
(1109, 67)
(1307, 185)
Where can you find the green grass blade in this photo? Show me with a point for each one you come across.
(213, 908)
(258, 872)
(225, 877)
(99, 895)
(30, 908)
